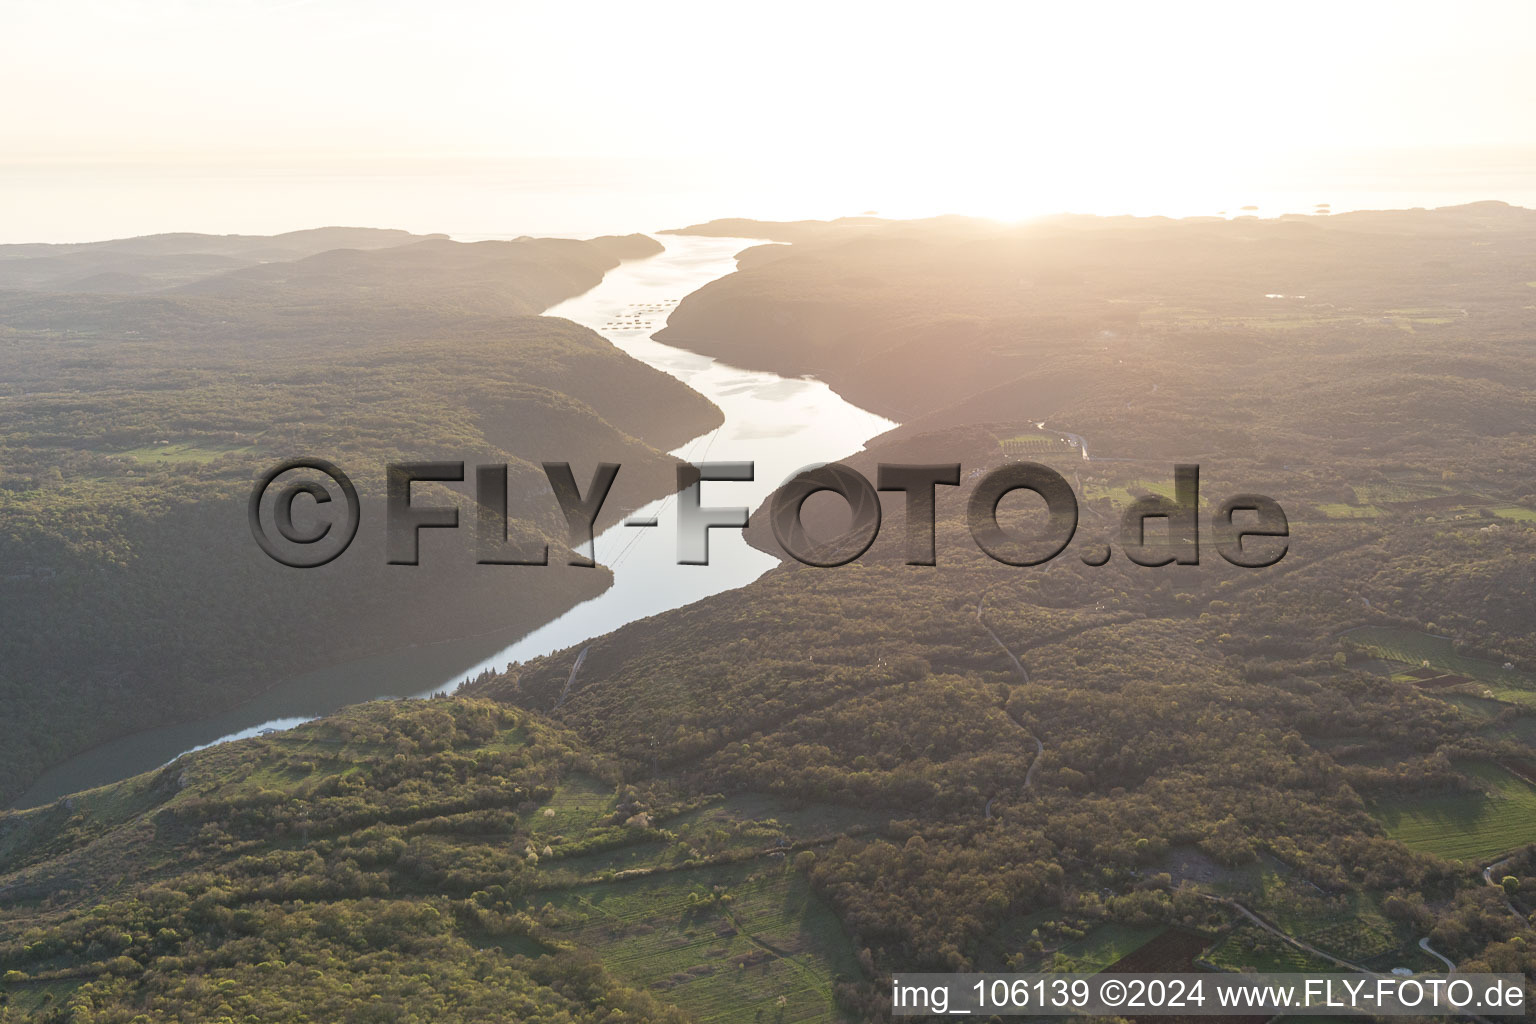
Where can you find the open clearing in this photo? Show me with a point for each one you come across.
(771, 951)
(1468, 826)
(1420, 650)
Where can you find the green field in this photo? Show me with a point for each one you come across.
(38, 996)
(1108, 943)
(1512, 695)
(585, 849)
(579, 801)
(1427, 315)
(1361, 936)
(1123, 494)
(1472, 827)
(1480, 710)
(772, 952)
(1348, 925)
(1338, 510)
(1247, 945)
(1521, 729)
(1028, 446)
(1391, 491)
(1415, 649)
(183, 451)
(1515, 512)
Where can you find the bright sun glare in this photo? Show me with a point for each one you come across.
(982, 108)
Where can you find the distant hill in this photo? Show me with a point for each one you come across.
(524, 276)
(777, 231)
(627, 247)
(289, 245)
(365, 265)
(151, 262)
(909, 318)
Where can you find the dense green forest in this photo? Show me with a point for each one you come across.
(759, 806)
(133, 427)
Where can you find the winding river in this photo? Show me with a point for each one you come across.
(781, 424)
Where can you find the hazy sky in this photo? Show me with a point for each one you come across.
(314, 110)
(119, 78)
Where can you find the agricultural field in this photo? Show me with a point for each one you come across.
(183, 451)
(1349, 925)
(1420, 650)
(1033, 445)
(1398, 491)
(1521, 729)
(579, 801)
(1280, 316)
(1170, 949)
(36, 996)
(584, 848)
(1248, 945)
(1108, 944)
(1512, 695)
(1123, 494)
(739, 942)
(1472, 827)
(1432, 316)
(802, 820)
(1357, 937)
(1339, 510)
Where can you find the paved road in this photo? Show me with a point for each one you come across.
(1509, 904)
(1450, 968)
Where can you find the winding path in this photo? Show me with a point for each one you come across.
(1029, 776)
(1450, 968)
(1509, 904)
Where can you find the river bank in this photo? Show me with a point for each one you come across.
(779, 423)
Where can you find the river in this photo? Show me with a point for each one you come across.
(779, 423)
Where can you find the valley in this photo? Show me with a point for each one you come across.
(760, 801)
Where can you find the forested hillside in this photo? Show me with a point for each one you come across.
(433, 861)
(760, 806)
(133, 427)
(970, 321)
(524, 276)
(1338, 743)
